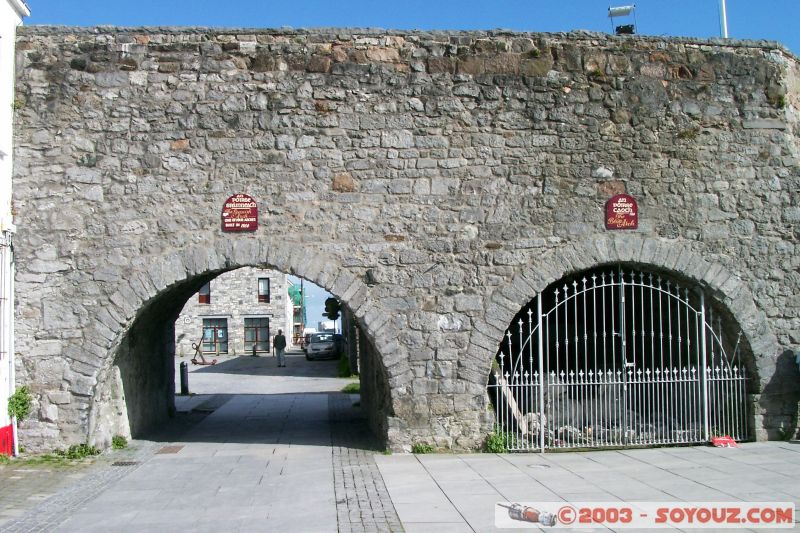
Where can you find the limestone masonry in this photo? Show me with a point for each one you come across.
(234, 299)
(435, 182)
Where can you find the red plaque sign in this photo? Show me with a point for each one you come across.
(240, 213)
(622, 212)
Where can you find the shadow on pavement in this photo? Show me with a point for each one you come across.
(295, 419)
(266, 365)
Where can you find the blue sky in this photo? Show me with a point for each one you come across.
(747, 19)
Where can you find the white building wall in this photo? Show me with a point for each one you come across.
(234, 296)
(11, 15)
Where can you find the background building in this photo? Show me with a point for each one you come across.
(11, 15)
(236, 313)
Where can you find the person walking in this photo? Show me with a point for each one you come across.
(279, 346)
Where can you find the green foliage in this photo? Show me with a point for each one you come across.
(118, 442)
(352, 388)
(18, 104)
(78, 451)
(61, 458)
(19, 404)
(4, 459)
(332, 308)
(498, 441)
(421, 447)
(386, 452)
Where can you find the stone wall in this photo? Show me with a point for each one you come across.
(433, 181)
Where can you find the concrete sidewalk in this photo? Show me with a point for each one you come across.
(458, 493)
(259, 448)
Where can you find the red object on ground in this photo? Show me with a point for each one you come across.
(724, 442)
(7, 440)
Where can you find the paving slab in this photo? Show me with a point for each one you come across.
(459, 492)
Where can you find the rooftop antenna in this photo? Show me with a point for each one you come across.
(623, 11)
(723, 19)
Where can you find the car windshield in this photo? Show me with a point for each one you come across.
(322, 337)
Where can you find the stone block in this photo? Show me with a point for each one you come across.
(441, 65)
(59, 397)
(397, 139)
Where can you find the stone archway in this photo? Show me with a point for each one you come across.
(674, 257)
(435, 172)
(134, 385)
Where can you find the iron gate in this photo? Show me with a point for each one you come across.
(617, 359)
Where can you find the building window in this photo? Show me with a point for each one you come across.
(263, 290)
(256, 334)
(215, 335)
(204, 295)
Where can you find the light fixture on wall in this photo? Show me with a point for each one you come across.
(623, 11)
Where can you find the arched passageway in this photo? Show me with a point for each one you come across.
(136, 392)
(621, 356)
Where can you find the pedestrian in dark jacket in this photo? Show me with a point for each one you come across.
(279, 346)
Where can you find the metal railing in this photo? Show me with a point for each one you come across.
(618, 359)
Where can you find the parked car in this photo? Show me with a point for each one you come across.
(322, 346)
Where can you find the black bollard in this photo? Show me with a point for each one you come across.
(184, 378)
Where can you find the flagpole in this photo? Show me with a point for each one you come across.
(723, 16)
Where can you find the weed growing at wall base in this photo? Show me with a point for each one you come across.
(498, 441)
(421, 448)
(352, 388)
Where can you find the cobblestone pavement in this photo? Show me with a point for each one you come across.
(362, 501)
